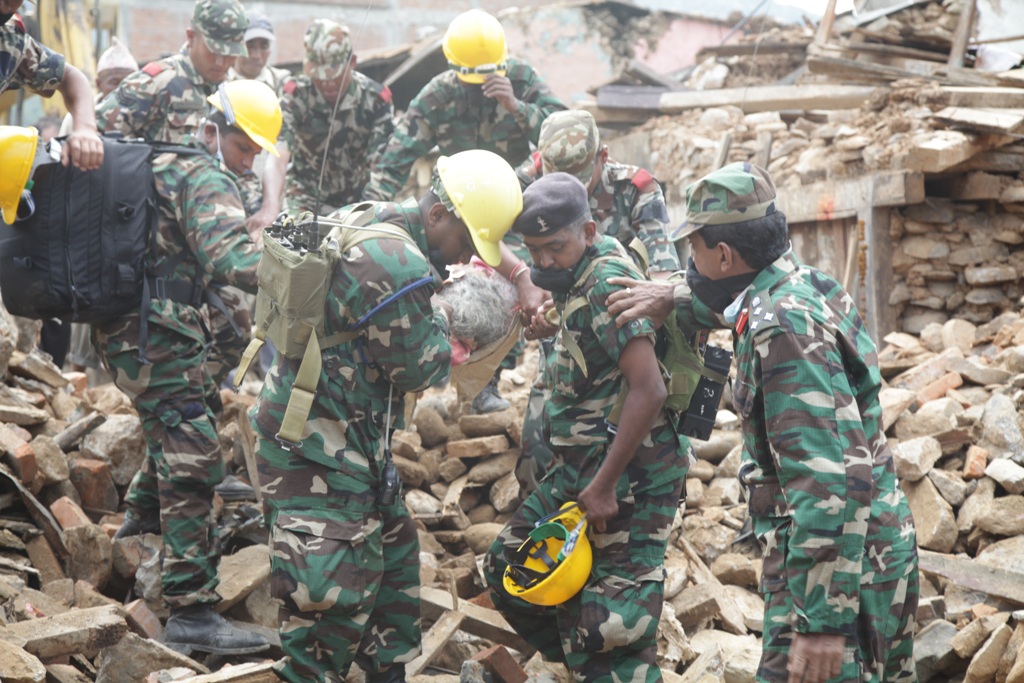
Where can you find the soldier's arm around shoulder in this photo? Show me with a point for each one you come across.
(406, 338)
(413, 136)
(212, 218)
(132, 106)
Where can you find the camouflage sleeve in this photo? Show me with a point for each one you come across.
(650, 221)
(288, 109)
(692, 314)
(613, 338)
(213, 220)
(536, 103)
(406, 338)
(41, 70)
(413, 137)
(131, 107)
(811, 420)
(383, 125)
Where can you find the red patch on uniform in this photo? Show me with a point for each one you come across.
(289, 87)
(19, 25)
(741, 322)
(642, 179)
(385, 94)
(154, 68)
(538, 163)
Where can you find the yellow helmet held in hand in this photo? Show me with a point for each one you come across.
(553, 564)
(253, 107)
(482, 190)
(17, 152)
(474, 46)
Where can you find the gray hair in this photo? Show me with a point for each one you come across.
(483, 306)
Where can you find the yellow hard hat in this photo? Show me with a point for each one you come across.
(481, 189)
(17, 152)
(553, 563)
(253, 107)
(474, 46)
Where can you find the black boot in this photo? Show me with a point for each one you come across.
(488, 400)
(199, 627)
(233, 489)
(136, 526)
(394, 674)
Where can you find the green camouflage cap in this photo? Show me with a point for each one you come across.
(568, 143)
(222, 24)
(733, 194)
(328, 50)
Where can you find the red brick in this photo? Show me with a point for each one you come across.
(68, 513)
(500, 664)
(976, 462)
(40, 552)
(22, 461)
(79, 383)
(142, 621)
(483, 600)
(94, 484)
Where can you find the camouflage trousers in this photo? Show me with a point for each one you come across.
(535, 456)
(882, 650)
(229, 318)
(607, 632)
(183, 458)
(344, 570)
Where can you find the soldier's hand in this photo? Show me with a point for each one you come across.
(815, 657)
(599, 504)
(84, 148)
(641, 299)
(541, 325)
(258, 221)
(500, 88)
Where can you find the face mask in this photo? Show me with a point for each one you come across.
(437, 261)
(716, 294)
(558, 280)
(4, 18)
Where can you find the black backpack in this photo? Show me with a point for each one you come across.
(80, 256)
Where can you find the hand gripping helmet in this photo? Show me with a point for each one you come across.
(253, 107)
(474, 46)
(482, 190)
(17, 153)
(553, 563)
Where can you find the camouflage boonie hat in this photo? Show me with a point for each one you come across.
(733, 194)
(568, 143)
(222, 24)
(328, 50)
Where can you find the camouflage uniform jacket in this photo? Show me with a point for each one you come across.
(27, 63)
(405, 344)
(163, 102)
(627, 202)
(581, 401)
(362, 128)
(269, 75)
(815, 458)
(456, 118)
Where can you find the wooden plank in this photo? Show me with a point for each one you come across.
(765, 47)
(1009, 159)
(886, 50)
(724, 145)
(479, 621)
(849, 70)
(831, 200)
(434, 641)
(964, 28)
(630, 96)
(879, 316)
(973, 575)
(984, 96)
(648, 76)
(983, 120)
(768, 98)
(250, 672)
(824, 33)
(942, 149)
(40, 514)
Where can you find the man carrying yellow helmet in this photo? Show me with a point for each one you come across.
(158, 359)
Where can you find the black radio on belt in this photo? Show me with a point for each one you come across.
(389, 482)
(699, 418)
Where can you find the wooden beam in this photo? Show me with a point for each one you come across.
(479, 621)
(964, 28)
(984, 96)
(843, 199)
(973, 575)
(434, 641)
(648, 76)
(849, 70)
(982, 119)
(824, 32)
(942, 149)
(724, 145)
(765, 47)
(766, 98)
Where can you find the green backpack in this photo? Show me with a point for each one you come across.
(682, 363)
(294, 274)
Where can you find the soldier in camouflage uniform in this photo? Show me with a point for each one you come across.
(840, 576)
(25, 63)
(166, 102)
(159, 360)
(259, 42)
(359, 131)
(460, 109)
(626, 202)
(345, 567)
(627, 478)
